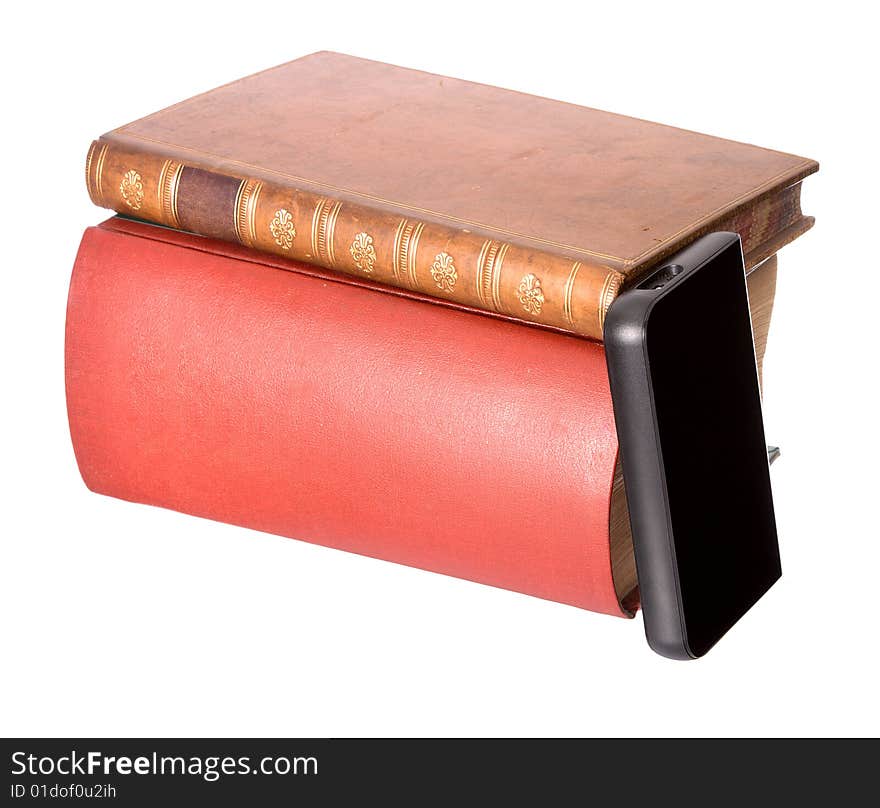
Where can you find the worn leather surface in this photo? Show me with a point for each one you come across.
(541, 207)
(295, 404)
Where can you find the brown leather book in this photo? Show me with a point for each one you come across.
(517, 205)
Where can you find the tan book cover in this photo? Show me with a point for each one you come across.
(510, 203)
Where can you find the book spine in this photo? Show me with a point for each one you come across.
(340, 415)
(356, 238)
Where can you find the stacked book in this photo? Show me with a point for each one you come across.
(362, 306)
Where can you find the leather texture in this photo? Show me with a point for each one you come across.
(511, 203)
(296, 404)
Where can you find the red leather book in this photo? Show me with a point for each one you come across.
(267, 393)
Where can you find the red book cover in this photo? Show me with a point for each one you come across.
(266, 393)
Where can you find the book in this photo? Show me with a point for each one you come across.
(532, 209)
(221, 382)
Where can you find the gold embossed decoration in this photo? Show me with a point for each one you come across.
(404, 252)
(132, 189)
(323, 229)
(363, 252)
(443, 272)
(282, 228)
(530, 295)
(488, 279)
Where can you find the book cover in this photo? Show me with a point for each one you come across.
(205, 378)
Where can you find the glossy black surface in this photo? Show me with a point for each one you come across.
(707, 411)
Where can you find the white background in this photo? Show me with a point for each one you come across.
(120, 619)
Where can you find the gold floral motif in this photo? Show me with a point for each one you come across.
(132, 189)
(530, 294)
(443, 272)
(282, 228)
(363, 252)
